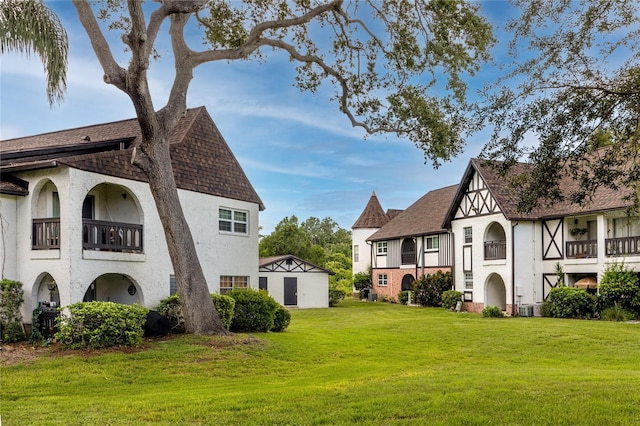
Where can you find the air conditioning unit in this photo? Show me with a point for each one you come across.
(525, 310)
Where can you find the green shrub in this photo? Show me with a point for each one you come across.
(225, 305)
(616, 313)
(282, 319)
(619, 286)
(255, 311)
(336, 295)
(429, 288)
(171, 308)
(361, 280)
(11, 297)
(570, 302)
(101, 325)
(492, 312)
(403, 297)
(450, 299)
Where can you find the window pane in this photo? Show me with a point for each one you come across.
(240, 216)
(224, 226)
(241, 282)
(240, 228)
(225, 214)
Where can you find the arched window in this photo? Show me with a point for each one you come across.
(408, 252)
(495, 242)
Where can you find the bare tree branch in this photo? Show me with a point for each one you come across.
(113, 73)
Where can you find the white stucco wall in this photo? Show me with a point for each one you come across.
(8, 236)
(359, 238)
(482, 269)
(313, 287)
(74, 269)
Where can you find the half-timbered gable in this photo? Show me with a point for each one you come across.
(509, 258)
(476, 200)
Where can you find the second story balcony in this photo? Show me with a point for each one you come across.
(582, 249)
(111, 236)
(495, 250)
(623, 246)
(45, 234)
(96, 235)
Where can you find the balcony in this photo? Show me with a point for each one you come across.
(495, 250)
(111, 236)
(408, 258)
(46, 234)
(622, 246)
(582, 249)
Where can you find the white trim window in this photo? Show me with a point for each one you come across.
(356, 254)
(432, 243)
(229, 282)
(233, 221)
(468, 235)
(468, 280)
(382, 280)
(382, 247)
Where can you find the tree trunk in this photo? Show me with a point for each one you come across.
(200, 315)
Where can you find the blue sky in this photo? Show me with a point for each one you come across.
(300, 153)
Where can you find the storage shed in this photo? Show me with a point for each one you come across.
(294, 282)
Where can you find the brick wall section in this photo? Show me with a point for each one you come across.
(394, 279)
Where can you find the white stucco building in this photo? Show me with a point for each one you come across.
(79, 221)
(294, 282)
(509, 259)
(372, 218)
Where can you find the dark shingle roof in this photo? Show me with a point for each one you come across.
(202, 161)
(424, 217)
(507, 196)
(372, 216)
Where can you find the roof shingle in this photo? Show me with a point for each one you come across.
(201, 159)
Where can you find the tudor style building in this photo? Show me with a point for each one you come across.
(509, 259)
(79, 221)
(412, 244)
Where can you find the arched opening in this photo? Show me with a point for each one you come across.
(408, 250)
(111, 220)
(407, 282)
(45, 212)
(495, 292)
(117, 288)
(495, 242)
(46, 292)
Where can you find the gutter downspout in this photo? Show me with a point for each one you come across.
(513, 270)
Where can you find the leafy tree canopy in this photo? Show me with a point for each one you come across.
(573, 87)
(321, 242)
(28, 26)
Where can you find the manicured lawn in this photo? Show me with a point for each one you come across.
(365, 363)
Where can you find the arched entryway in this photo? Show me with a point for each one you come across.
(495, 292)
(407, 282)
(117, 288)
(46, 292)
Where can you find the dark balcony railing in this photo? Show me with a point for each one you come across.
(112, 236)
(46, 234)
(495, 250)
(622, 246)
(582, 249)
(408, 258)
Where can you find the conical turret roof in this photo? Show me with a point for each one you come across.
(373, 216)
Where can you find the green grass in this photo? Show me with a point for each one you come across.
(365, 363)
